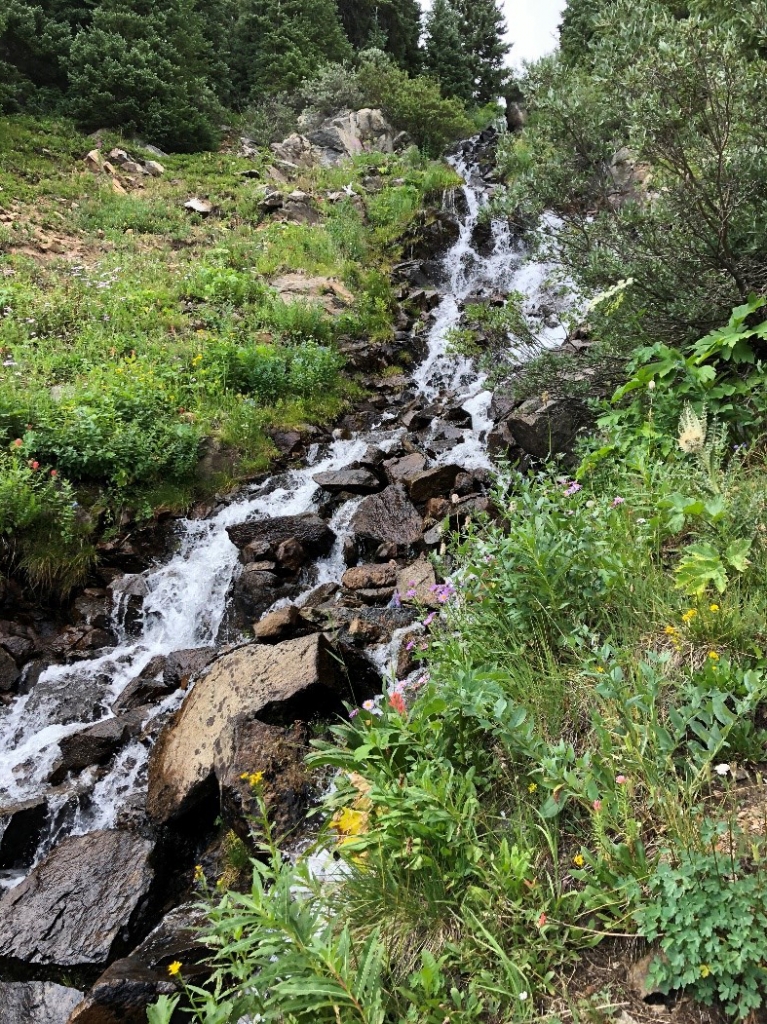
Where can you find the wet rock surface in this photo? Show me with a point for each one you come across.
(389, 518)
(74, 906)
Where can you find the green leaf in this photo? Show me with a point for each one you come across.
(737, 553)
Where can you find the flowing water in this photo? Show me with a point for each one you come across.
(186, 598)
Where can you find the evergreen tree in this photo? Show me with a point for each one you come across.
(391, 25)
(484, 29)
(278, 44)
(145, 66)
(579, 22)
(446, 57)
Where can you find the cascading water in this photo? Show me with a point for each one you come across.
(186, 599)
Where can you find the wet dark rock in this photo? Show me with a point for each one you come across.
(399, 470)
(21, 648)
(148, 687)
(288, 442)
(387, 518)
(464, 483)
(128, 593)
(257, 551)
(96, 744)
(290, 555)
(471, 506)
(432, 234)
(423, 299)
(9, 671)
(434, 536)
(363, 627)
(25, 823)
(432, 483)
(255, 591)
(183, 666)
(501, 442)
(416, 419)
(545, 429)
(36, 1002)
(93, 608)
(355, 481)
(313, 533)
(82, 901)
(123, 992)
(274, 684)
(320, 595)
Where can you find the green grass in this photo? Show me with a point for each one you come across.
(132, 330)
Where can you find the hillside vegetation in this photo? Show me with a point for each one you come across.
(132, 329)
(575, 777)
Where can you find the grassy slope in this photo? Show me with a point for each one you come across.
(132, 329)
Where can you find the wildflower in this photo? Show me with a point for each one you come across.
(54, 472)
(597, 805)
(705, 970)
(410, 645)
(579, 860)
(617, 501)
(722, 769)
(398, 703)
(354, 712)
(252, 778)
(600, 669)
(429, 618)
(175, 968)
(199, 874)
(34, 465)
(396, 601)
(532, 787)
(651, 385)
(541, 921)
(671, 631)
(689, 615)
(411, 593)
(572, 489)
(641, 522)
(18, 443)
(713, 656)
(621, 780)
(692, 430)
(523, 996)
(372, 707)
(713, 607)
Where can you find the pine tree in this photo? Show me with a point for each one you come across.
(578, 26)
(484, 28)
(445, 57)
(278, 44)
(144, 67)
(391, 25)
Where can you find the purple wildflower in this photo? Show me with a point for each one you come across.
(617, 501)
(429, 618)
(573, 489)
(410, 645)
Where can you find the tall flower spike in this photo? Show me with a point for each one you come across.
(692, 430)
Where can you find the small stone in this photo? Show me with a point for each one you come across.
(152, 167)
(280, 625)
(201, 206)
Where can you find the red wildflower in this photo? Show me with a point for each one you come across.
(397, 701)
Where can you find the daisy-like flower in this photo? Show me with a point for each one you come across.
(722, 769)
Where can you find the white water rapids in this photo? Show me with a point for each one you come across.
(187, 596)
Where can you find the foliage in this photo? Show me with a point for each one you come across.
(445, 57)
(658, 182)
(709, 911)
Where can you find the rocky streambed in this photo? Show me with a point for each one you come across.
(276, 609)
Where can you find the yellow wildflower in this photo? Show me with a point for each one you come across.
(579, 860)
(705, 970)
(689, 616)
(713, 607)
(199, 874)
(671, 631)
(713, 655)
(532, 787)
(350, 823)
(600, 669)
(252, 778)
(175, 968)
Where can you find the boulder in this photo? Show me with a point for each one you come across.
(96, 744)
(327, 292)
(293, 680)
(182, 666)
(290, 555)
(72, 909)
(313, 533)
(148, 687)
(543, 429)
(415, 584)
(37, 1002)
(93, 161)
(354, 481)
(123, 992)
(201, 206)
(256, 590)
(368, 577)
(432, 483)
(21, 828)
(387, 518)
(399, 470)
(9, 671)
(348, 135)
(280, 625)
(152, 167)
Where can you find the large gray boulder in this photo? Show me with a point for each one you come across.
(544, 429)
(36, 1002)
(387, 518)
(339, 139)
(277, 684)
(76, 904)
